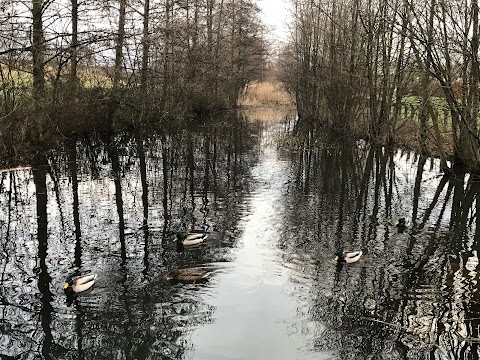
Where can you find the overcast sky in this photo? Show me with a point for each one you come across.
(275, 16)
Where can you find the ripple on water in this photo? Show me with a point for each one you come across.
(274, 281)
(424, 292)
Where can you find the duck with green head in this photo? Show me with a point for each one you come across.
(79, 284)
(347, 257)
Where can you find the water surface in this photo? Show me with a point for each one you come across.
(274, 218)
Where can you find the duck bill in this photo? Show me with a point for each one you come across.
(336, 258)
(65, 286)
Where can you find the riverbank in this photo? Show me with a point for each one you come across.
(407, 136)
(266, 99)
(263, 102)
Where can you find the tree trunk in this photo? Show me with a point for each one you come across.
(166, 77)
(217, 47)
(38, 53)
(145, 47)
(74, 45)
(119, 45)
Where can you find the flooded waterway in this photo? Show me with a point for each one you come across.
(274, 218)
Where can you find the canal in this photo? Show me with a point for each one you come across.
(276, 208)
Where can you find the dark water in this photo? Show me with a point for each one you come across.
(274, 219)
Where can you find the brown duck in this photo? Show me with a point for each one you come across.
(187, 275)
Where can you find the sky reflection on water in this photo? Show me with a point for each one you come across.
(274, 219)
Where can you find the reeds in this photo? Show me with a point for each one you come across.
(266, 93)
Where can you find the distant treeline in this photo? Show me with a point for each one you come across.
(354, 66)
(101, 65)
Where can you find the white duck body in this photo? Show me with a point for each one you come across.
(80, 283)
(351, 257)
(190, 238)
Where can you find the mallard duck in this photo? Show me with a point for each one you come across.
(347, 257)
(190, 238)
(79, 284)
(188, 275)
(402, 223)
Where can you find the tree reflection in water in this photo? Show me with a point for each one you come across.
(105, 205)
(415, 294)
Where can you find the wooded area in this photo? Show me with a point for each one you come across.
(375, 68)
(93, 65)
(389, 71)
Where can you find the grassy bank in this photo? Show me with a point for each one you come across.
(267, 100)
(270, 93)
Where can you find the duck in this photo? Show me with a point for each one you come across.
(347, 257)
(402, 223)
(79, 284)
(187, 239)
(187, 275)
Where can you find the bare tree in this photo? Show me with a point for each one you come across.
(352, 65)
(119, 44)
(38, 54)
(189, 57)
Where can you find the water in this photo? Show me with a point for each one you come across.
(257, 300)
(275, 219)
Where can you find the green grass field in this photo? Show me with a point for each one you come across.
(411, 110)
